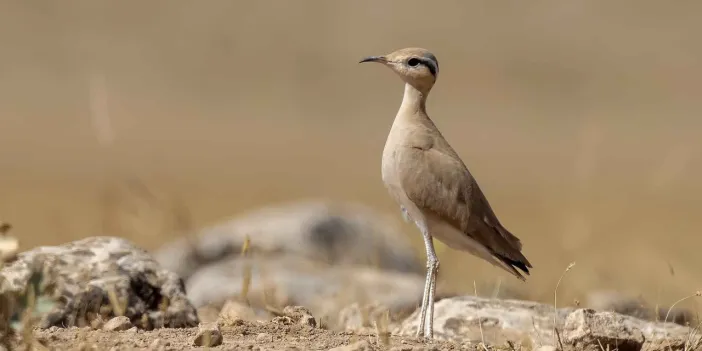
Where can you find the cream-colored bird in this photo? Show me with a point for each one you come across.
(433, 186)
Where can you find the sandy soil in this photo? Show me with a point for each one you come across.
(247, 336)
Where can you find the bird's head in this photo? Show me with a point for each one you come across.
(416, 66)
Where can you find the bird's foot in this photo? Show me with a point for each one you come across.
(422, 337)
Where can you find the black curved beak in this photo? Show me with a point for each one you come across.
(380, 59)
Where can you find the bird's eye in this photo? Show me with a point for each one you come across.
(413, 62)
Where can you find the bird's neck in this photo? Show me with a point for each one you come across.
(413, 101)
(413, 108)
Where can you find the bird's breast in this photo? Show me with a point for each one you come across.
(389, 165)
(400, 139)
(392, 167)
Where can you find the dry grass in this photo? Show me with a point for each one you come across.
(556, 334)
(579, 119)
(693, 341)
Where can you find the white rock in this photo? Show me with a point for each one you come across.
(208, 335)
(120, 323)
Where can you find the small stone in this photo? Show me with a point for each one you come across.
(363, 345)
(119, 323)
(97, 323)
(301, 315)
(284, 320)
(208, 334)
(85, 346)
(546, 348)
(157, 345)
(264, 337)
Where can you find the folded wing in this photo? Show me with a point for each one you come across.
(439, 183)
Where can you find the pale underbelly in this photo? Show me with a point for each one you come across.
(457, 240)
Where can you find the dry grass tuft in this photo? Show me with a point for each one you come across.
(693, 341)
(556, 333)
(382, 325)
(246, 276)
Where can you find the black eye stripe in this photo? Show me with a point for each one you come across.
(428, 64)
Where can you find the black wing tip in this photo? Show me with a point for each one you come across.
(521, 262)
(522, 265)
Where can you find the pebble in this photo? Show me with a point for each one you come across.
(264, 337)
(120, 323)
(208, 334)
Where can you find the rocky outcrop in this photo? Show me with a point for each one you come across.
(324, 289)
(472, 319)
(99, 278)
(469, 319)
(319, 255)
(337, 234)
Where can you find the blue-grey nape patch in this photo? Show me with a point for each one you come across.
(429, 60)
(431, 65)
(435, 61)
(431, 57)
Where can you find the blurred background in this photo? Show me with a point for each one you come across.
(580, 120)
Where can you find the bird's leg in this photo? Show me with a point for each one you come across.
(429, 287)
(423, 310)
(432, 289)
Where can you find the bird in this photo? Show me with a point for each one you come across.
(432, 185)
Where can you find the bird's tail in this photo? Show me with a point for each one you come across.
(512, 257)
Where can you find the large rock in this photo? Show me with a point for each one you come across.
(338, 234)
(587, 330)
(586, 327)
(320, 255)
(324, 289)
(461, 319)
(101, 277)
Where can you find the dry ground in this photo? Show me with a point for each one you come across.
(579, 119)
(249, 336)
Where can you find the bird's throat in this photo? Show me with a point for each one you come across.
(413, 101)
